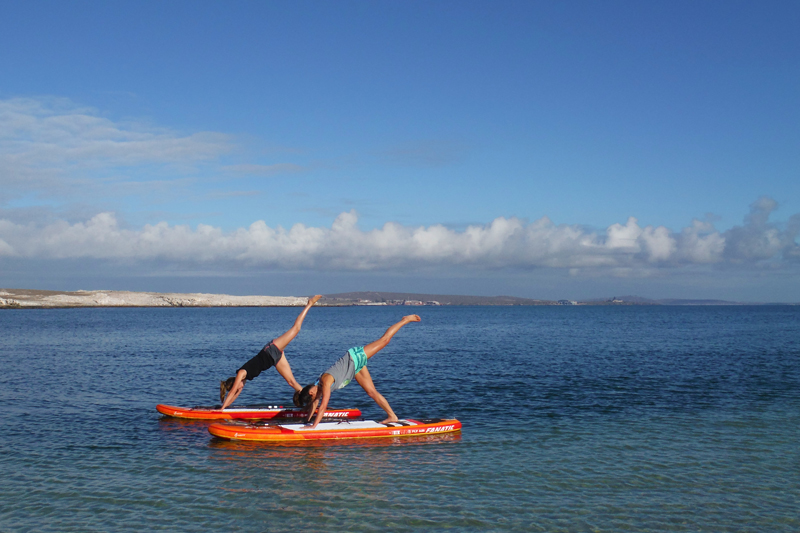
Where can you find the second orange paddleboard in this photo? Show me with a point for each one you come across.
(345, 429)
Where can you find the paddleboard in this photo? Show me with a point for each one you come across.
(344, 429)
(248, 412)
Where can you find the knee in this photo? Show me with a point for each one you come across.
(381, 343)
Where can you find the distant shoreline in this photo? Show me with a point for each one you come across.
(40, 299)
(35, 299)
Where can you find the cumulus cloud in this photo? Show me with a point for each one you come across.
(757, 239)
(505, 243)
(50, 146)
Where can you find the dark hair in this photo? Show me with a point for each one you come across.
(303, 397)
(224, 387)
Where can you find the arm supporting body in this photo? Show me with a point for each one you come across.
(324, 395)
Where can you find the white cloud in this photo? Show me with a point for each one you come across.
(53, 131)
(621, 250)
(757, 239)
(265, 170)
(700, 243)
(52, 146)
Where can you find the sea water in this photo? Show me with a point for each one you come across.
(629, 418)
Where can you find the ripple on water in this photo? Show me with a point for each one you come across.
(586, 419)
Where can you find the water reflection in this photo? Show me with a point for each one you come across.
(322, 472)
(182, 431)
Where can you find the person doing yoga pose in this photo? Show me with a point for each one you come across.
(351, 365)
(271, 355)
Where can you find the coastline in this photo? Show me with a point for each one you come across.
(33, 299)
(41, 299)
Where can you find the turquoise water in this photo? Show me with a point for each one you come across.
(575, 419)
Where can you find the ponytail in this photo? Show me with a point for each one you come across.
(225, 387)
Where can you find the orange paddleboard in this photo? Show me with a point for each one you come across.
(344, 429)
(248, 412)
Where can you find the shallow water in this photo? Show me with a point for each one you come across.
(575, 419)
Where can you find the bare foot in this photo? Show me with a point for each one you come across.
(314, 299)
(412, 318)
(390, 419)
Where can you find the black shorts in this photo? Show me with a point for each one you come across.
(266, 358)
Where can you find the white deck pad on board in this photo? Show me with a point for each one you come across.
(347, 424)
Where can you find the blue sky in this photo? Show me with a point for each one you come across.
(539, 149)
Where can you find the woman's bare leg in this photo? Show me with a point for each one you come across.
(365, 380)
(283, 341)
(378, 345)
(285, 370)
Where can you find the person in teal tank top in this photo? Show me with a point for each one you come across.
(352, 365)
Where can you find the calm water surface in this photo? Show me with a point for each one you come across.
(575, 419)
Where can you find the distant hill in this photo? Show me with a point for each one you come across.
(443, 299)
(672, 301)
(619, 300)
(398, 298)
(638, 300)
(32, 299)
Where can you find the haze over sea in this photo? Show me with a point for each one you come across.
(649, 418)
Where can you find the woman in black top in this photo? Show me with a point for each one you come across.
(270, 355)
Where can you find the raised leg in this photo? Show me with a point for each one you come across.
(378, 345)
(283, 341)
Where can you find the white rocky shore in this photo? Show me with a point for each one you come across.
(20, 298)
